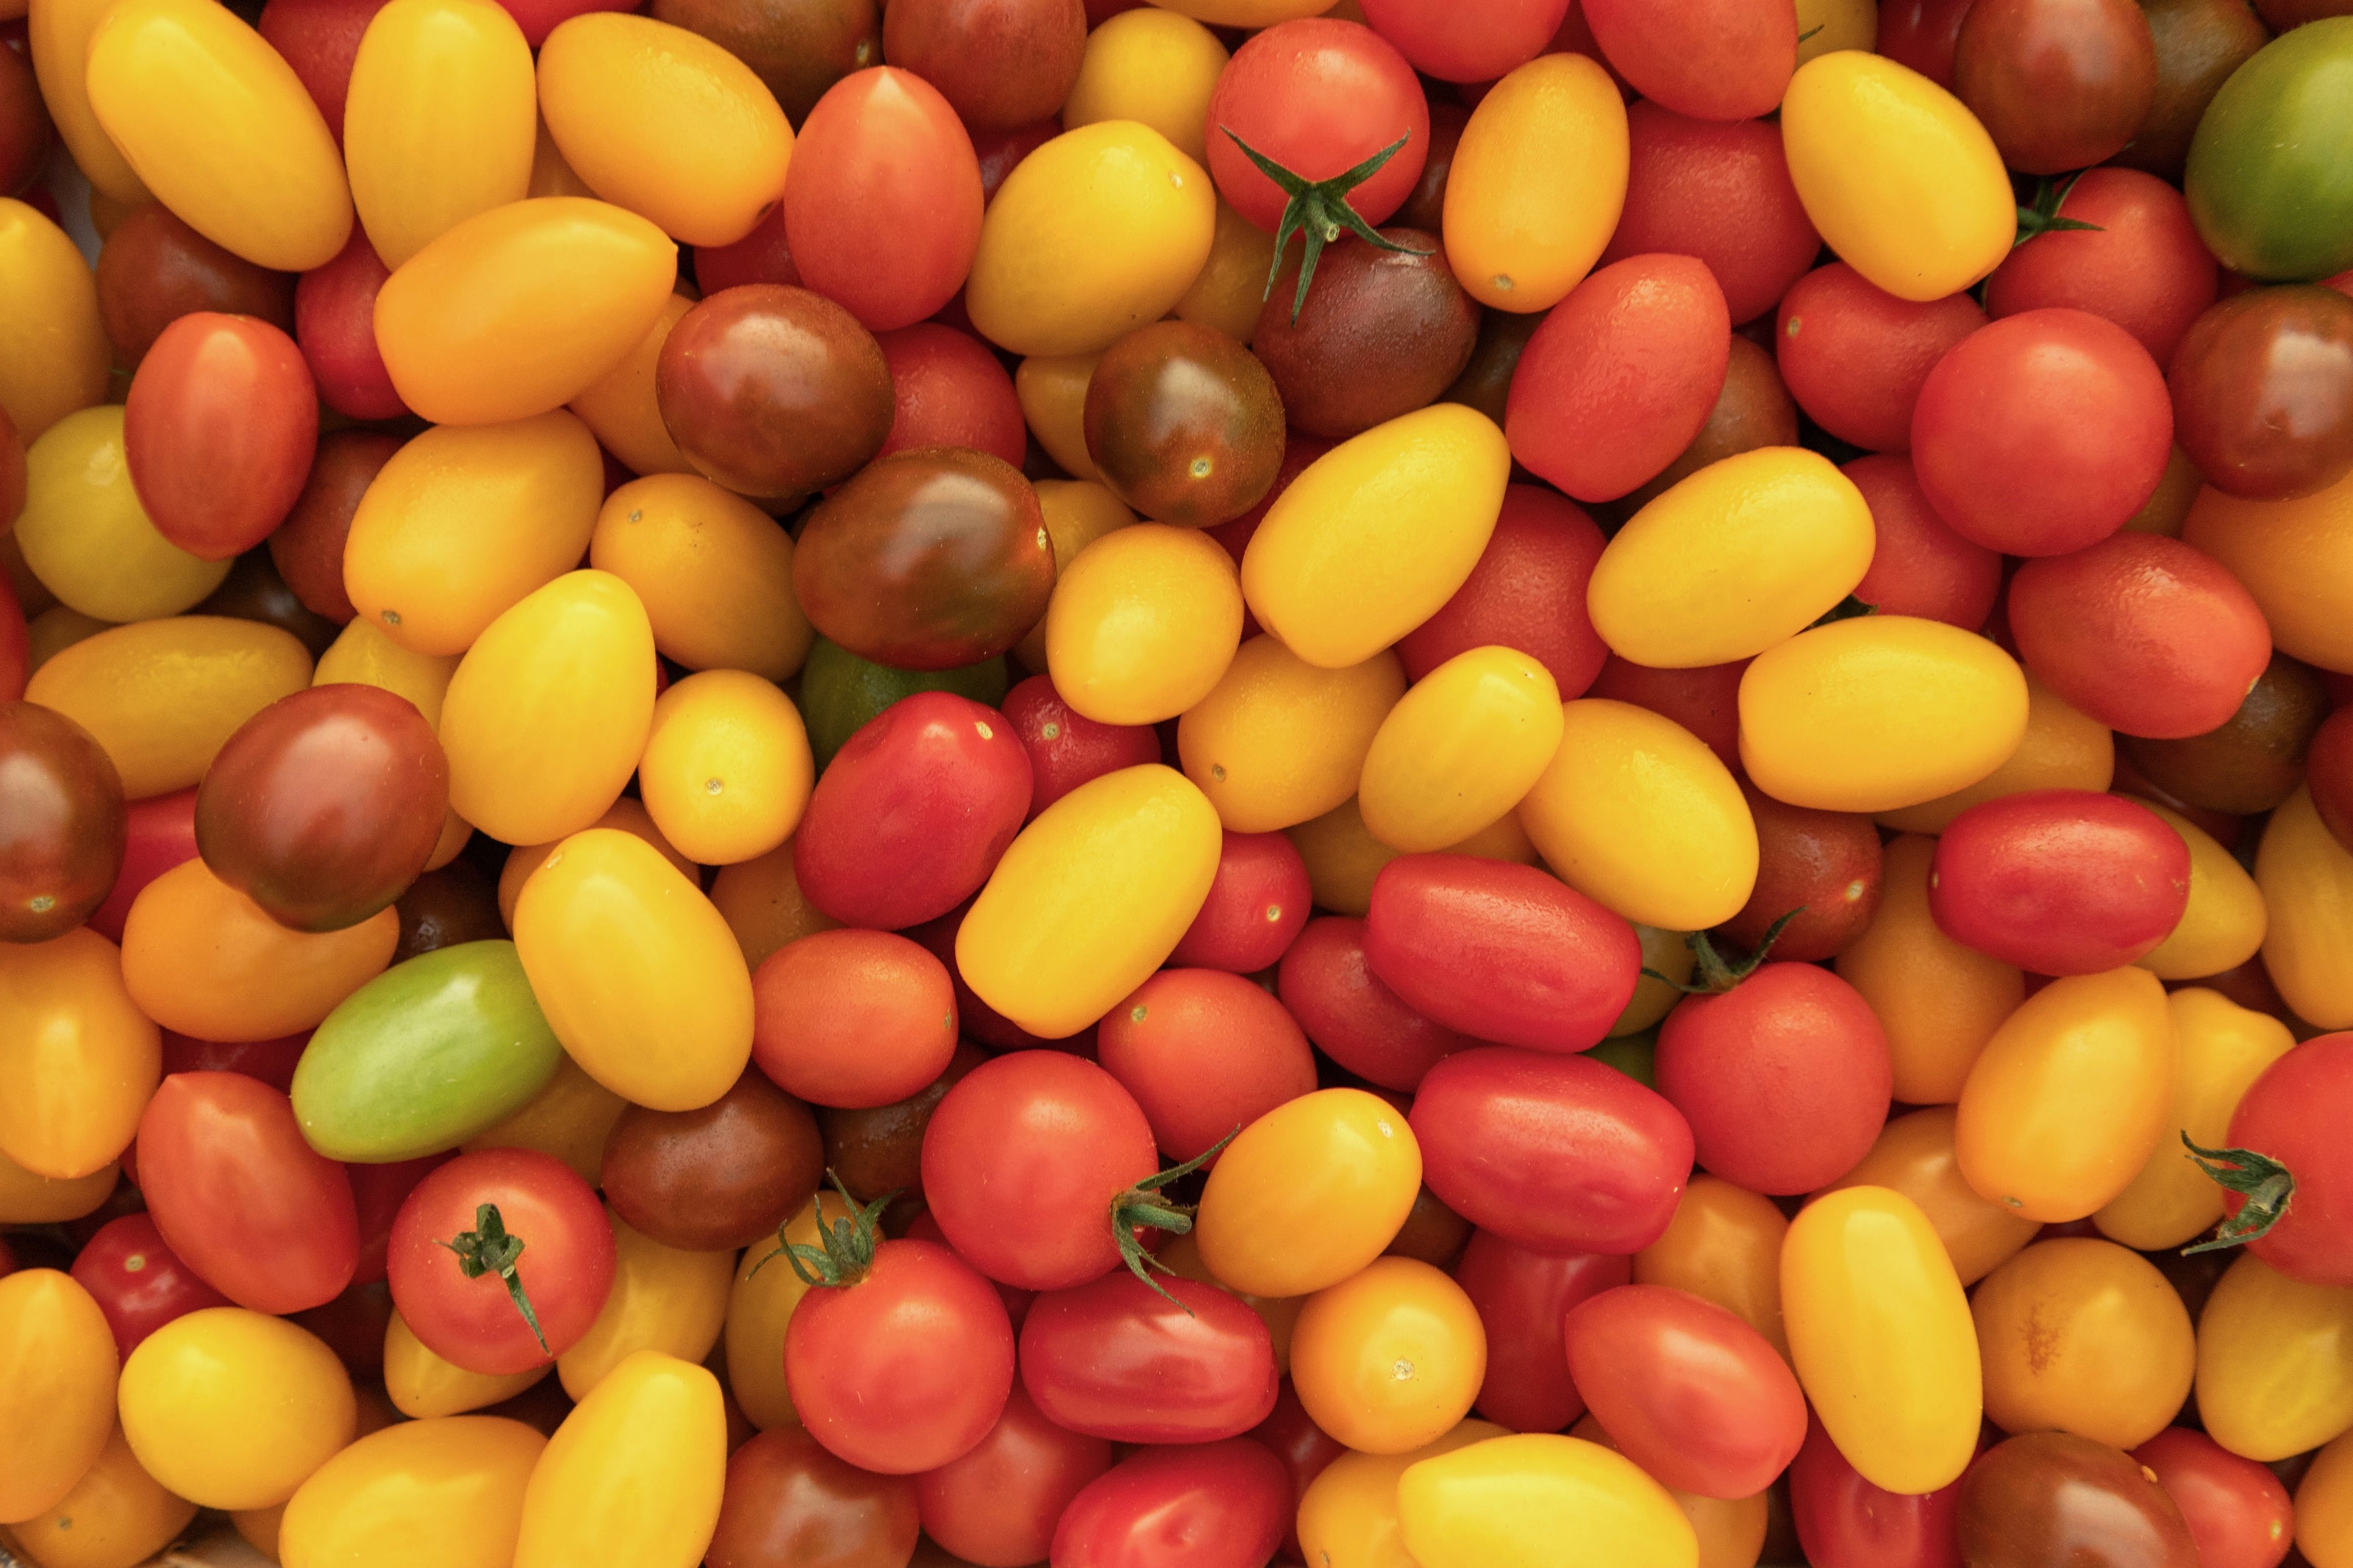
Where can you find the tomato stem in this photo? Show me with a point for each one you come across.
(2266, 1185)
(2042, 216)
(1144, 1205)
(849, 1243)
(1319, 208)
(1716, 975)
(488, 1249)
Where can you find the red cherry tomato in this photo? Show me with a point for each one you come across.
(1065, 748)
(334, 321)
(1205, 1053)
(2236, 1509)
(160, 834)
(852, 1018)
(1352, 1016)
(1720, 191)
(1522, 1295)
(138, 1281)
(217, 431)
(1844, 1521)
(950, 391)
(1189, 1504)
(1923, 35)
(2141, 264)
(762, 256)
(2296, 1113)
(1119, 1360)
(788, 1500)
(1318, 96)
(1454, 43)
(2059, 882)
(1257, 906)
(1306, 1449)
(1714, 60)
(1000, 1503)
(1527, 591)
(1856, 356)
(320, 38)
(1706, 700)
(1919, 565)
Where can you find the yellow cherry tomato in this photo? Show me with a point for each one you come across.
(2275, 1362)
(2306, 877)
(53, 348)
(422, 1385)
(621, 407)
(1669, 953)
(1280, 740)
(1749, 550)
(1723, 1245)
(117, 1514)
(2070, 1097)
(714, 572)
(1460, 749)
(763, 904)
(59, 35)
(633, 1475)
(621, 950)
(1539, 1500)
(1144, 623)
(363, 655)
(57, 1368)
(440, 120)
(1897, 174)
(569, 1121)
(1233, 285)
(1882, 1339)
(1154, 67)
(29, 1198)
(88, 539)
(2294, 556)
(727, 768)
(1348, 1515)
(235, 1409)
(201, 958)
(1091, 899)
(1390, 1358)
(662, 1300)
(1915, 1155)
(1538, 181)
(626, 815)
(2064, 748)
(1095, 234)
(218, 125)
(1939, 1001)
(1877, 713)
(1181, 1255)
(760, 1305)
(448, 1490)
(1052, 390)
(1374, 536)
(2083, 1336)
(1309, 1193)
(2221, 1049)
(518, 311)
(1636, 812)
(78, 1058)
(2324, 1507)
(2223, 925)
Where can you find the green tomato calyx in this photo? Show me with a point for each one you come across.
(2266, 1185)
(1145, 1204)
(1320, 209)
(488, 1249)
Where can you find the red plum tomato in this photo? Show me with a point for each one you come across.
(2059, 882)
(1120, 1359)
(1185, 1504)
(1522, 1295)
(1856, 356)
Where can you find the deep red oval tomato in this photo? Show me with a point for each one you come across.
(235, 1191)
(565, 1266)
(138, 1281)
(334, 321)
(217, 431)
(1919, 566)
(63, 825)
(1067, 748)
(1205, 1053)
(852, 1018)
(2296, 1113)
(1351, 1015)
(1000, 1503)
(948, 390)
(1844, 1521)
(1188, 1505)
(2059, 881)
(1717, 59)
(1120, 1360)
(1522, 1295)
(2141, 264)
(15, 640)
(1258, 905)
(1527, 591)
(1719, 191)
(159, 833)
(2236, 1509)
(1856, 356)
(1318, 96)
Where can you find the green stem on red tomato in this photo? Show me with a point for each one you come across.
(1320, 209)
(2266, 1185)
(488, 1249)
(1143, 1204)
(849, 1243)
(1717, 975)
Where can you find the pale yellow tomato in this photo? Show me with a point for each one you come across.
(727, 768)
(1143, 624)
(116, 1514)
(225, 1370)
(59, 35)
(2223, 925)
(1390, 1359)
(53, 348)
(2080, 1335)
(1348, 1515)
(1154, 67)
(1281, 741)
(58, 1369)
(2274, 1362)
(2294, 556)
(1309, 1193)
(2306, 877)
(2064, 748)
(422, 1385)
(78, 1058)
(1537, 183)
(1460, 749)
(714, 572)
(634, 1474)
(759, 1309)
(88, 539)
(621, 407)
(448, 1491)
(1538, 1499)
(1233, 285)
(662, 1300)
(363, 655)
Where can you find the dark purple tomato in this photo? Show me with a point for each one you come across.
(2141, 264)
(1844, 1521)
(1000, 63)
(1383, 333)
(451, 904)
(2236, 1510)
(2330, 769)
(1353, 1018)
(788, 1503)
(723, 1176)
(138, 1283)
(325, 805)
(2052, 1499)
(321, 39)
(1822, 864)
(1118, 1358)
(1184, 423)
(63, 824)
(1185, 1504)
(1522, 1295)
(880, 1150)
(998, 1504)
(218, 429)
(2263, 392)
(1856, 356)
(1258, 905)
(1922, 33)
(1485, 382)
(1753, 410)
(2060, 84)
(1527, 591)
(308, 547)
(1067, 748)
(799, 47)
(2252, 760)
(2198, 44)
(930, 560)
(334, 320)
(1720, 191)
(2059, 881)
(25, 128)
(253, 591)
(774, 391)
(155, 268)
(1919, 566)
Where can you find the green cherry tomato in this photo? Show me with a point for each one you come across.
(2270, 178)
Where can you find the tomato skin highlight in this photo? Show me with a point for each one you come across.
(1113, 1360)
(1191, 1505)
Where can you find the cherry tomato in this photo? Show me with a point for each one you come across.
(67, 825)
(218, 432)
(1328, 985)
(2281, 1116)
(1119, 1358)
(2141, 265)
(60, 1357)
(1537, 183)
(2044, 1493)
(1205, 1053)
(636, 1470)
(1188, 1505)
(1258, 905)
(2236, 1510)
(138, 1281)
(852, 1018)
(1390, 1358)
(1309, 1193)
(787, 1500)
(950, 391)
(2257, 429)
(1385, 331)
(334, 322)
(1527, 591)
(1514, 1499)
(1856, 356)
(1845, 1521)
(2079, 1334)
(1718, 191)
(1000, 1501)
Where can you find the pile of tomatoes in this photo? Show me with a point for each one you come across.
(1477, 784)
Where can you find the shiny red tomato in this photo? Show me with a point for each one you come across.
(1318, 96)
(1522, 1295)
(1527, 591)
(334, 320)
(1844, 1521)
(1856, 356)
(1351, 1015)
(138, 1281)
(2059, 881)
(1258, 905)
(1000, 1503)
(1191, 1505)
(2296, 1114)
(161, 833)
(219, 430)
(1184, 1362)
(2237, 1511)
(1067, 748)
(1715, 59)
(1206, 1053)
(950, 391)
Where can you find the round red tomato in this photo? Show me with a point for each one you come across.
(2296, 1113)
(1720, 191)
(1527, 591)
(2141, 264)
(1205, 1053)
(2236, 1509)
(1258, 905)
(1715, 59)
(1188, 1505)
(1919, 566)
(948, 390)
(1856, 356)
(1067, 748)
(1000, 1503)
(1318, 96)
(138, 1281)
(853, 1019)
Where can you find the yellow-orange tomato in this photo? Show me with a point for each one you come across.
(2274, 1362)
(465, 520)
(628, 814)
(1342, 857)
(1091, 899)
(363, 655)
(1095, 234)
(2084, 1336)
(1723, 1245)
(1939, 1001)
(621, 408)
(1052, 389)
(662, 1300)
(78, 1058)
(52, 348)
(58, 1367)
(1539, 1498)
(1538, 181)
(621, 950)
(1877, 713)
(59, 35)
(763, 904)
(1143, 624)
(714, 572)
(1390, 1358)
(2225, 924)
(27, 1198)
(1377, 533)
(518, 311)
(162, 696)
(1915, 1155)
(201, 958)
(1309, 1193)
(569, 1121)
(1348, 1515)
(446, 1490)
(116, 1514)
(1232, 284)
(2294, 556)
(727, 768)
(1181, 1256)
(2069, 1096)
(2324, 1507)
(1280, 741)
(235, 1409)
(1747, 552)
(1897, 174)
(218, 125)
(759, 1309)
(547, 715)
(2221, 1049)
(2307, 878)
(439, 122)
(1460, 749)
(1156, 67)
(1636, 812)
(88, 539)
(422, 1385)
(2064, 748)
(633, 1475)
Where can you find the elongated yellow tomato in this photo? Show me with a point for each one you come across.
(1390, 1358)
(714, 572)
(57, 1389)
(1635, 811)
(1747, 552)
(1939, 1001)
(1091, 899)
(422, 1385)
(1348, 1515)
(1897, 174)
(1537, 1500)
(1308, 1194)
(547, 715)
(446, 1490)
(1155, 67)
(2294, 556)
(439, 122)
(633, 1475)
(1280, 740)
(1538, 181)
(226, 1370)
(1143, 624)
(218, 125)
(26, 1198)
(2083, 1336)
(1052, 390)
(2307, 878)
(162, 696)
(2064, 748)
(1878, 712)
(88, 539)
(1232, 284)
(2070, 1097)
(622, 406)
(628, 814)
(78, 1058)
(622, 950)
(1458, 751)
(2274, 1362)
(2324, 1507)
(519, 309)
(1095, 233)
(116, 1514)
(1378, 534)
(759, 1309)
(61, 31)
(2225, 924)
(1882, 1337)
(727, 767)
(52, 348)
(201, 958)
(363, 655)
(662, 1300)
